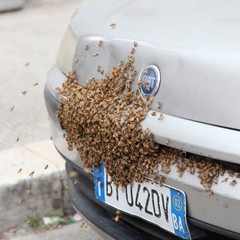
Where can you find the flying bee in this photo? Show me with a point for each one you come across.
(135, 44)
(29, 191)
(27, 64)
(75, 182)
(24, 92)
(159, 105)
(73, 174)
(35, 84)
(95, 55)
(19, 170)
(83, 225)
(12, 108)
(117, 216)
(28, 221)
(77, 61)
(87, 47)
(17, 139)
(20, 201)
(153, 113)
(113, 25)
(31, 174)
(46, 167)
(100, 43)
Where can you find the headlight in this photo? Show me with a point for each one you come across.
(67, 50)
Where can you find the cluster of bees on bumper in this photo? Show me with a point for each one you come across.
(102, 121)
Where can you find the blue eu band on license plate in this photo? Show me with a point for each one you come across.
(164, 206)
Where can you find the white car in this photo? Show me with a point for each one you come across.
(188, 52)
(10, 5)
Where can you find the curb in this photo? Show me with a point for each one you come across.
(22, 194)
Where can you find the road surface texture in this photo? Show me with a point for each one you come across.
(29, 41)
(68, 232)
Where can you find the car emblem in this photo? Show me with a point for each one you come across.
(150, 80)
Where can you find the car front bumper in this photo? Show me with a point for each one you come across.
(219, 213)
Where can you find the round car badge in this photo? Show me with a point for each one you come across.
(150, 80)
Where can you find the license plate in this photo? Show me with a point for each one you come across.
(162, 205)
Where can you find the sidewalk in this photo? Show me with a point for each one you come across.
(21, 194)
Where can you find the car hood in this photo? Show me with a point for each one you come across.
(195, 44)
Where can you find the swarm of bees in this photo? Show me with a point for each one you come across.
(102, 121)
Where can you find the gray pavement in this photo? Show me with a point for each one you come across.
(67, 232)
(29, 41)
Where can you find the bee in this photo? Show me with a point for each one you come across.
(83, 225)
(92, 178)
(17, 139)
(166, 141)
(208, 190)
(113, 25)
(237, 175)
(160, 117)
(161, 180)
(75, 182)
(20, 201)
(117, 216)
(35, 84)
(135, 44)
(46, 167)
(24, 92)
(29, 191)
(100, 43)
(233, 182)
(133, 50)
(100, 69)
(19, 170)
(87, 47)
(73, 174)
(64, 177)
(159, 105)
(51, 138)
(224, 180)
(67, 186)
(12, 108)
(31, 174)
(153, 113)
(28, 221)
(77, 61)
(95, 55)
(130, 59)
(27, 64)
(230, 172)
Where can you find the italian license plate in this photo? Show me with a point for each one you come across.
(162, 205)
